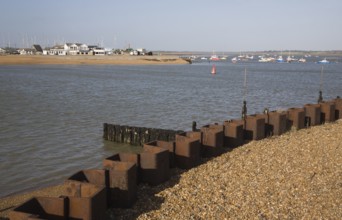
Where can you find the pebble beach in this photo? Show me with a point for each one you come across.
(297, 175)
(294, 176)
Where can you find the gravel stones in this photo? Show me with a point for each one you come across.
(297, 175)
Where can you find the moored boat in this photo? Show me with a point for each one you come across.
(214, 58)
(290, 59)
(266, 59)
(302, 60)
(324, 61)
(280, 59)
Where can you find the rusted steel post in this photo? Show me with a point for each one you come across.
(320, 97)
(42, 208)
(194, 126)
(87, 201)
(244, 110)
(188, 149)
(255, 127)
(122, 179)
(338, 107)
(327, 112)
(275, 123)
(295, 118)
(212, 140)
(154, 164)
(312, 114)
(233, 133)
(168, 145)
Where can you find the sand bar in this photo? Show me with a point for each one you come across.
(90, 60)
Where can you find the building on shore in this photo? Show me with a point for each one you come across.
(74, 49)
(79, 49)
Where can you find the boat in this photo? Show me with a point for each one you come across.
(214, 58)
(250, 57)
(280, 59)
(266, 59)
(290, 59)
(213, 69)
(302, 60)
(234, 59)
(263, 60)
(324, 61)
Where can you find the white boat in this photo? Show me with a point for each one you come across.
(266, 59)
(302, 60)
(324, 61)
(280, 59)
(263, 60)
(234, 59)
(290, 59)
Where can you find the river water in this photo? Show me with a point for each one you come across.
(51, 117)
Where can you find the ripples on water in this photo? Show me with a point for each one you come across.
(52, 116)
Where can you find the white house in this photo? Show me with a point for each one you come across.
(83, 49)
(99, 51)
(75, 49)
(72, 48)
(2, 51)
(27, 51)
(56, 50)
(95, 50)
(142, 51)
(139, 51)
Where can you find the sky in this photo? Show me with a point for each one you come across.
(178, 25)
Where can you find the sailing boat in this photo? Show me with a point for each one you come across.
(213, 69)
(214, 57)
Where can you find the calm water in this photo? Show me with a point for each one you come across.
(51, 117)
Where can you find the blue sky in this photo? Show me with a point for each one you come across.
(178, 25)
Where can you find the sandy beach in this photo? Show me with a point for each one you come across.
(90, 60)
(294, 176)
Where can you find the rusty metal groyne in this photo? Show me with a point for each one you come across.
(90, 192)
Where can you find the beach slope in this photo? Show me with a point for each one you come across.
(294, 176)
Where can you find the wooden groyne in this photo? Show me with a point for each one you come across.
(136, 135)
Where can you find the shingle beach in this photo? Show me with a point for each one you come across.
(294, 176)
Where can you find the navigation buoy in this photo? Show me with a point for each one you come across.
(213, 70)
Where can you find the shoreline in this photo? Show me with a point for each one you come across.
(90, 60)
(293, 175)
